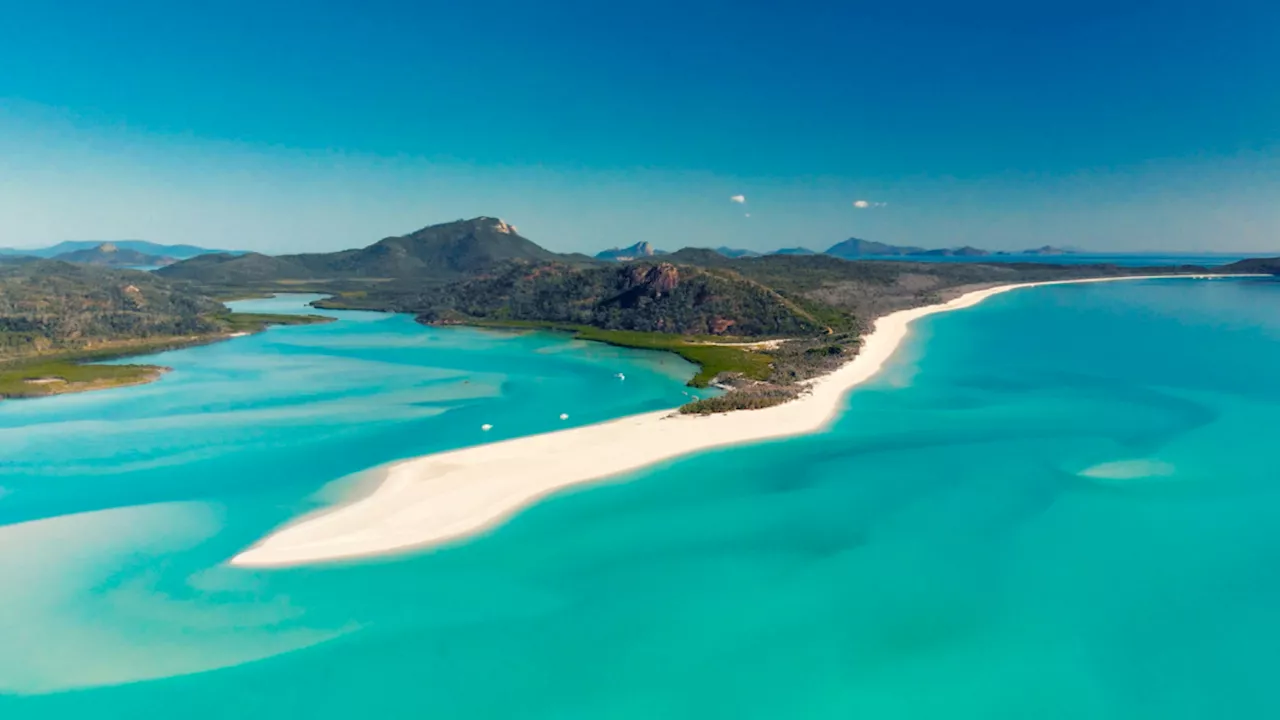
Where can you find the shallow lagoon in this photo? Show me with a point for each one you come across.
(1059, 503)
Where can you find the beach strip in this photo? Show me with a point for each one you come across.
(450, 495)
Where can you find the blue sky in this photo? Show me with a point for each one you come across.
(285, 126)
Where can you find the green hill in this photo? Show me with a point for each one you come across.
(57, 317)
(1262, 266)
(641, 296)
(247, 270)
(437, 253)
(48, 306)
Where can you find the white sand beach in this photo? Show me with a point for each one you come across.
(454, 494)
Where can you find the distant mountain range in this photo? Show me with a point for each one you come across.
(632, 252)
(643, 250)
(476, 248)
(850, 249)
(180, 252)
(858, 248)
(111, 255)
(737, 253)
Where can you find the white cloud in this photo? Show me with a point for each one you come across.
(748, 214)
(738, 198)
(864, 204)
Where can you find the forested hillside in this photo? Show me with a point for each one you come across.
(49, 305)
(646, 297)
(438, 253)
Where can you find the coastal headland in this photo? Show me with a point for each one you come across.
(446, 496)
(60, 320)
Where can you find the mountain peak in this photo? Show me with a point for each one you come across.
(857, 247)
(496, 224)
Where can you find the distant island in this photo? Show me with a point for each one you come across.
(757, 326)
(633, 252)
(851, 249)
(1257, 266)
(857, 248)
(180, 252)
(737, 252)
(111, 255)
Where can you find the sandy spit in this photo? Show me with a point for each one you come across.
(450, 495)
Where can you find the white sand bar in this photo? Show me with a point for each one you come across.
(449, 495)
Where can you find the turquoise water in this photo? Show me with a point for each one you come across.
(1059, 504)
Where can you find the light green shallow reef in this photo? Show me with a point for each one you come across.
(1063, 503)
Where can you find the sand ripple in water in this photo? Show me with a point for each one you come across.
(1142, 469)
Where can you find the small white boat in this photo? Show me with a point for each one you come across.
(564, 416)
(620, 376)
(486, 427)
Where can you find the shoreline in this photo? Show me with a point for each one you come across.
(447, 496)
(102, 357)
(42, 385)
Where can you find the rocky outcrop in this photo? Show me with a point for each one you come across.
(657, 279)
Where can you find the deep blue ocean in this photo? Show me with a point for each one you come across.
(1061, 503)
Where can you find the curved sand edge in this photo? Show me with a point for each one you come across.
(449, 495)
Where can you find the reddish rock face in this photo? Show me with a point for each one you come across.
(662, 278)
(133, 296)
(720, 326)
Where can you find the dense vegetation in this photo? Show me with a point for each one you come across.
(57, 317)
(643, 297)
(49, 306)
(863, 290)
(254, 322)
(51, 377)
